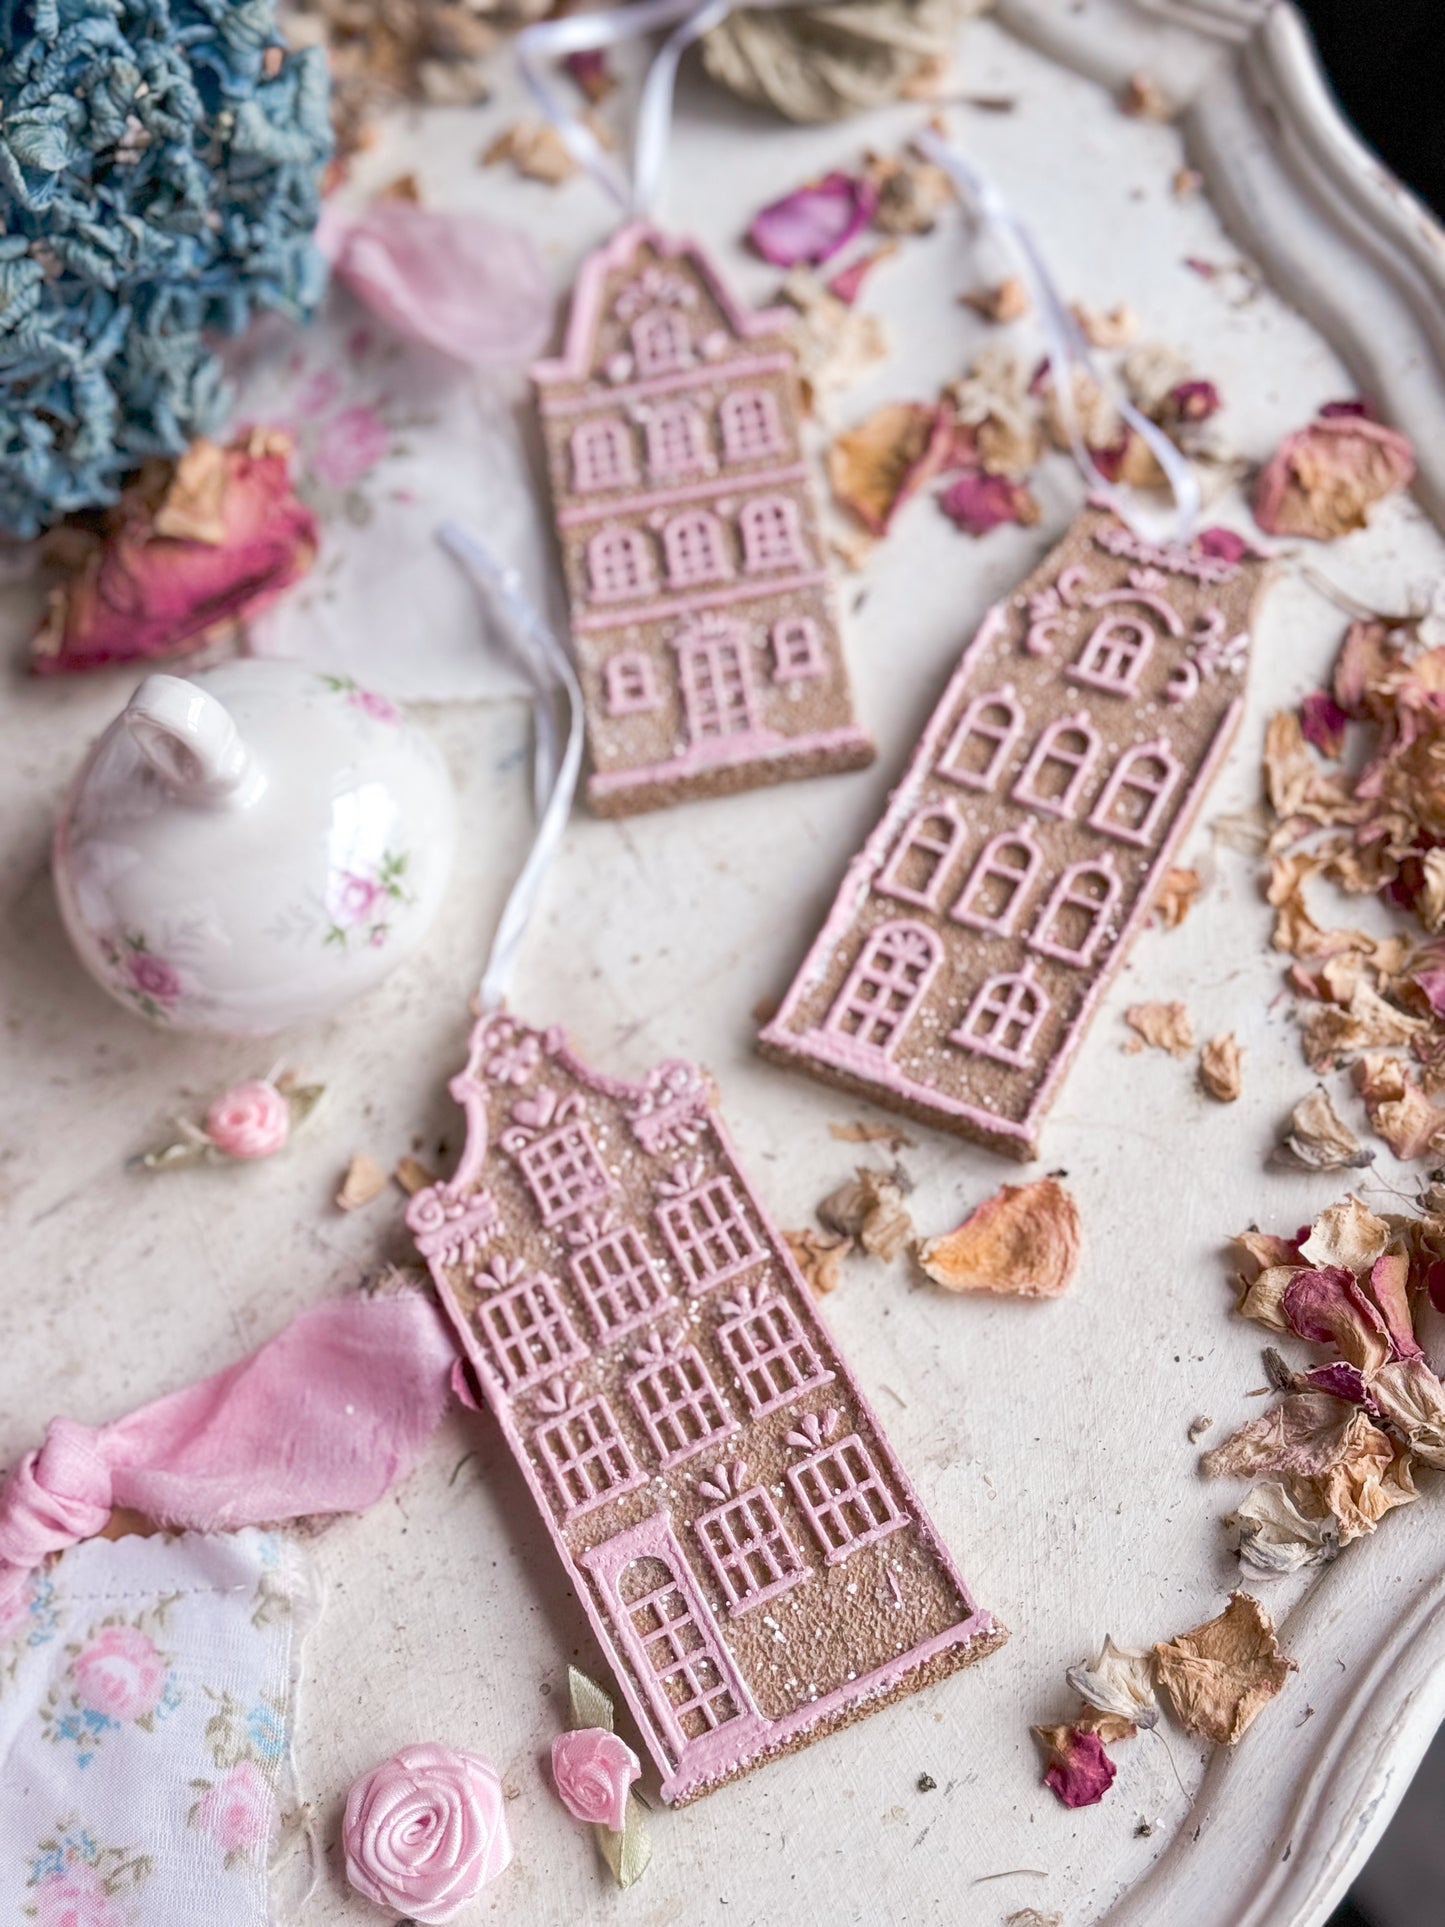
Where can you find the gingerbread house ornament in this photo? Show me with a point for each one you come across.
(753, 1558)
(972, 939)
(703, 622)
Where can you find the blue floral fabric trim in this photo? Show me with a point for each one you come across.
(160, 168)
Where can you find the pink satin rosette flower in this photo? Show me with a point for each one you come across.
(593, 1770)
(425, 1831)
(251, 1121)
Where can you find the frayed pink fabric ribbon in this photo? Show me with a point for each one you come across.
(323, 1418)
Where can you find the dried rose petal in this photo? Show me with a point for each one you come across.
(1318, 1139)
(813, 222)
(978, 503)
(1164, 1026)
(1389, 1287)
(1079, 1772)
(869, 1207)
(140, 594)
(819, 1257)
(1399, 1110)
(1277, 1538)
(1323, 722)
(1024, 1241)
(1322, 480)
(1221, 1071)
(1348, 1234)
(1224, 545)
(1175, 896)
(1191, 401)
(1120, 1682)
(1327, 1307)
(1222, 1675)
(874, 468)
(589, 69)
(847, 284)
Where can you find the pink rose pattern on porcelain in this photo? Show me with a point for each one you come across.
(593, 1770)
(359, 902)
(142, 977)
(425, 1831)
(251, 1121)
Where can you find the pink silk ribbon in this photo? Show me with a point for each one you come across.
(323, 1418)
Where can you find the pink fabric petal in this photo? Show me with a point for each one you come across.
(468, 286)
(813, 222)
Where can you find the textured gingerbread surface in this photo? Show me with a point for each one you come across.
(970, 940)
(703, 623)
(755, 1562)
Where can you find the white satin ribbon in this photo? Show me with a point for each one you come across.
(1068, 350)
(555, 760)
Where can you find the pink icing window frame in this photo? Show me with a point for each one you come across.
(999, 923)
(1122, 777)
(629, 683)
(940, 847)
(620, 565)
(629, 1293)
(676, 441)
(518, 1320)
(601, 453)
(563, 1172)
(797, 650)
(758, 1342)
(1114, 636)
(1024, 1001)
(681, 1406)
(771, 534)
(742, 1530)
(683, 1640)
(604, 1446)
(1002, 737)
(1064, 896)
(826, 1506)
(661, 342)
(715, 672)
(750, 424)
(1046, 750)
(908, 977)
(709, 1234)
(694, 549)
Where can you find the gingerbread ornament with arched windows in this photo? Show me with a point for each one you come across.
(685, 509)
(966, 950)
(707, 1467)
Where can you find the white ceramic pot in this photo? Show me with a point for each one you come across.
(248, 848)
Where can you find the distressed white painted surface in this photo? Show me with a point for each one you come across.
(1049, 1440)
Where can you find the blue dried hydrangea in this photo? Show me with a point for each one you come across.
(160, 166)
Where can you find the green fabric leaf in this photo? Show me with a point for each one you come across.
(590, 1705)
(629, 1853)
(176, 1157)
(302, 1100)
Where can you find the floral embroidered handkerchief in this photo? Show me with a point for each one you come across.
(147, 1690)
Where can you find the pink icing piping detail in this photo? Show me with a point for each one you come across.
(583, 512)
(688, 605)
(710, 376)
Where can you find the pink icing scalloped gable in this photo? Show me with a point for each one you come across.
(753, 1558)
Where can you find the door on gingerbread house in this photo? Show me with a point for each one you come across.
(717, 679)
(694, 1692)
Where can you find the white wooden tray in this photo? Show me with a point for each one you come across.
(1049, 1441)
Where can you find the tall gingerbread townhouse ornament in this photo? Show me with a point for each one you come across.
(753, 1558)
(971, 940)
(703, 622)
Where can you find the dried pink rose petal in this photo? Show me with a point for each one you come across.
(847, 284)
(1023, 1242)
(1322, 480)
(1192, 401)
(1323, 722)
(875, 467)
(1225, 545)
(1327, 1307)
(812, 222)
(188, 547)
(978, 503)
(1079, 1772)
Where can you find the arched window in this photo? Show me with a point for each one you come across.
(629, 684)
(918, 869)
(695, 550)
(797, 650)
(998, 883)
(619, 565)
(602, 455)
(748, 418)
(715, 671)
(1137, 794)
(1114, 654)
(883, 990)
(1075, 918)
(979, 747)
(1004, 1019)
(676, 440)
(769, 528)
(660, 342)
(1059, 765)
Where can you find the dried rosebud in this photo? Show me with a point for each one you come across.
(1024, 1241)
(186, 549)
(1322, 480)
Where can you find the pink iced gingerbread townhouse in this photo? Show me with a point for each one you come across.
(703, 624)
(752, 1556)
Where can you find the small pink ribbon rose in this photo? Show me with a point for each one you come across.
(251, 1121)
(593, 1770)
(424, 1832)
